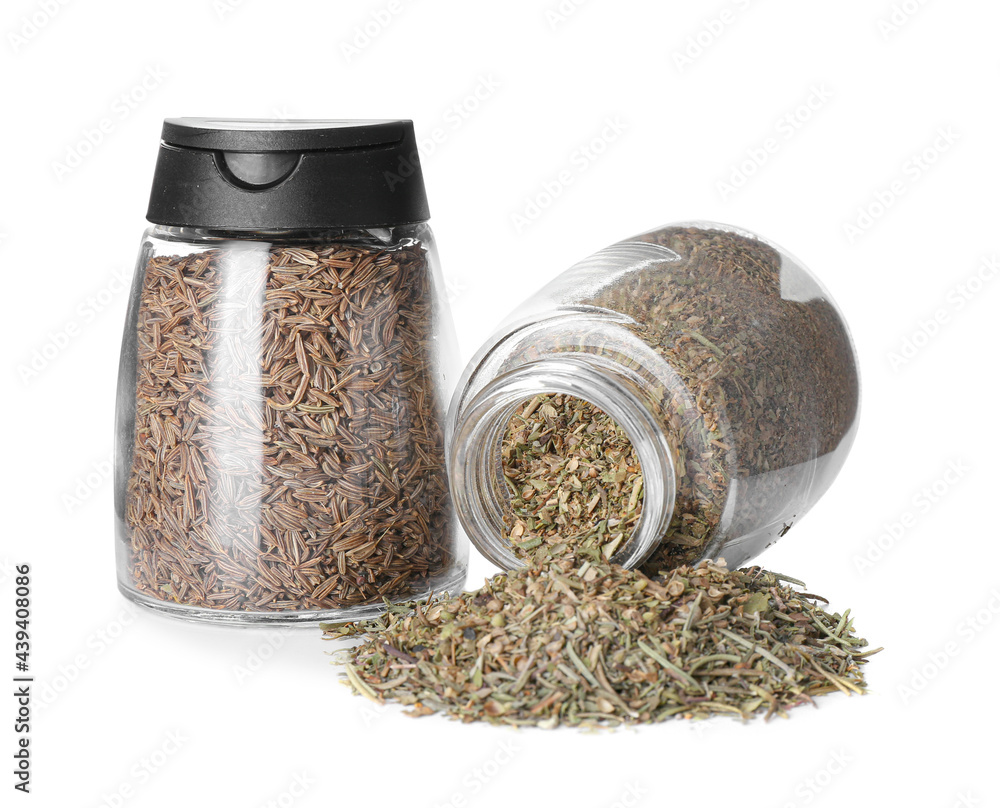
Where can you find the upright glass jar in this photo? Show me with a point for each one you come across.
(287, 357)
(722, 359)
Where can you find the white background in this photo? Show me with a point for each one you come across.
(137, 710)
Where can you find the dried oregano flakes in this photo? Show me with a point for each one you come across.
(761, 389)
(572, 475)
(577, 641)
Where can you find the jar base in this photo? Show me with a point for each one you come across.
(194, 614)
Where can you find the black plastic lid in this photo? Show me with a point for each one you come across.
(230, 174)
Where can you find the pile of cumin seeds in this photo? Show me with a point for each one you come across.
(288, 450)
(571, 640)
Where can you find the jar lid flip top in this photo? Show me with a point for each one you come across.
(233, 174)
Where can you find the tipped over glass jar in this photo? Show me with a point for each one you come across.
(724, 362)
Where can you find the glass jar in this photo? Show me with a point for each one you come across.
(725, 363)
(287, 357)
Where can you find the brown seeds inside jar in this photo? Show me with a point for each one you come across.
(288, 450)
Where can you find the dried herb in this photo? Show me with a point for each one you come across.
(288, 451)
(750, 368)
(572, 475)
(576, 640)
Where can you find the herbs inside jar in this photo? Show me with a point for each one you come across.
(727, 367)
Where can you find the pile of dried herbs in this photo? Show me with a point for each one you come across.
(576, 640)
(572, 475)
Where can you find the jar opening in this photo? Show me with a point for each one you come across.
(572, 476)
(630, 461)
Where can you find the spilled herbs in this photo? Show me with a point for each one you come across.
(573, 640)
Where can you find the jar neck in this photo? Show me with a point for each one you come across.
(478, 484)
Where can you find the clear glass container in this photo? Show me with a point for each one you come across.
(280, 422)
(727, 365)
